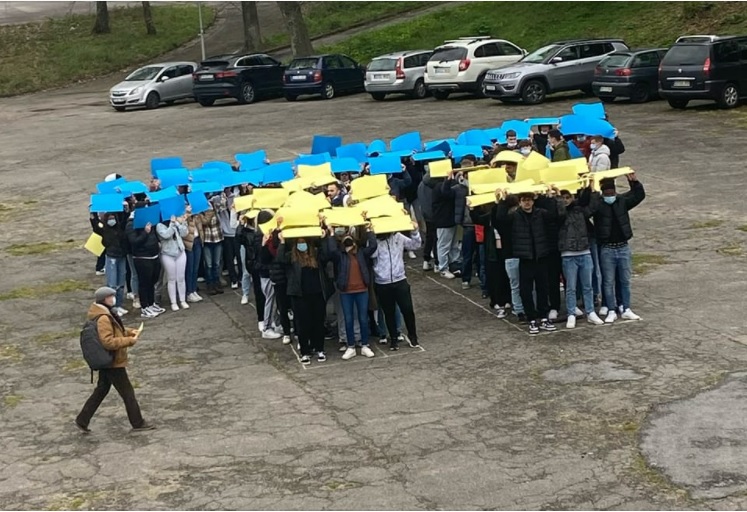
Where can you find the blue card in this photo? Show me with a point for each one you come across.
(133, 187)
(376, 146)
(574, 151)
(104, 203)
(594, 110)
(317, 159)
(173, 206)
(233, 178)
(345, 165)
(357, 150)
(217, 164)
(147, 214)
(278, 173)
(410, 141)
(458, 152)
(385, 165)
(255, 177)
(204, 175)
(167, 162)
(439, 145)
(251, 161)
(403, 153)
(582, 125)
(160, 195)
(325, 144)
(206, 187)
(173, 177)
(520, 127)
(428, 155)
(497, 134)
(543, 121)
(474, 138)
(110, 187)
(198, 202)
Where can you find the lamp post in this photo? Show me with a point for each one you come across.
(202, 33)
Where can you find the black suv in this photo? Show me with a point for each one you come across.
(705, 68)
(244, 77)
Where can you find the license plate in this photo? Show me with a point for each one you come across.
(442, 71)
(681, 83)
(490, 87)
(380, 77)
(207, 77)
(298, 77)
(118, 101)
(605, 89)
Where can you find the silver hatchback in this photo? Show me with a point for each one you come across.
(152, 85)
(398, 73)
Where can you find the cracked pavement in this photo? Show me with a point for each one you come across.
(471, 422)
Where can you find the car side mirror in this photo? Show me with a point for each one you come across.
(556, 60)
(164, 78)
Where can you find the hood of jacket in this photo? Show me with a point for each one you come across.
(601, 150)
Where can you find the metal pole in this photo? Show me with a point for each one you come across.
(202, 33)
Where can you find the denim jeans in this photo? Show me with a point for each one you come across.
(468, 252)
(116, 273)
(617, 260)
(578, 269)
(134, 283)
(382, 322)
(352, 303)
(246, 277)
(483, 280)
(213, 254)
(193, 265)
(447, 248)
(512, 269)
(596, 275)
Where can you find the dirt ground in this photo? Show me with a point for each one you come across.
(484, 417)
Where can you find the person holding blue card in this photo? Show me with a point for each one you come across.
(193, 248)
(174, 259)
(114, 240)
(213, 245)
(145, 255)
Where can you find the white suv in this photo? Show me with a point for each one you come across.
(460, 65)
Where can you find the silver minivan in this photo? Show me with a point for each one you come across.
(398, 73)
(152, 85)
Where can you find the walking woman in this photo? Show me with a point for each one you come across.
(309, 289)
(352, 278)
(174, 259)
(145, 252)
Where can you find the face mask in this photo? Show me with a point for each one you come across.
(525, 151)
(111, 223)
(581, 139)
(511, 144)
(302, 247)
(340, 231)
(544, 132)
(610, 199)
(594, 146)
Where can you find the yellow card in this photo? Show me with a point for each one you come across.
(140, 329)
(535, 161)
(487, 187)
(579, 165)
(307, 201)
(94, 245)
(382, 206)
(518, 188)
(292, 218)
(242, 203)
(367, 187)
(612, 173)
(272, 198)
(571, 186)
(508, 156)
(440, 168)
(341, 216)
(485, 176)
(525, 174)
(481, 199)
(252, 214)
(304, 232)
(392, 224)
(315, 171)
(555, 174)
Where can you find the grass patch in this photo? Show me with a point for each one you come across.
(10, 353)
(742, 228)
(56, 52)
(734, 249)
(34, 292)
(11, 401)
(643, 263)
(40, 248)
(81, 501)
(644, 24)
(74, 365)
(325, 17)
(51, 337)
(713, 223)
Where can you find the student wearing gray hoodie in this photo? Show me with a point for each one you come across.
(600, 155)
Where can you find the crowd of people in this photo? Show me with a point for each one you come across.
(531, 252)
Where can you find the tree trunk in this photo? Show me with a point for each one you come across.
(300, 40)
(150, 28)
(252, 38)
(101, 26)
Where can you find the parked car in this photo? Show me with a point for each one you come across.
(401, 72)
(559, 66)
(630, 74)
(705, 68)
(460, 65)
(152, 85)
(244, 77)
(326, 75)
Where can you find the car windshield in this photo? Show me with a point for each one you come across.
(448, 53)
(303, 64)
(615, 61)
(539, 56)
(686, 55)
(382, 65)
(146, 73)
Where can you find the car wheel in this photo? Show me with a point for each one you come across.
(480, 92)
(607, 99)
(119, 109)
(152, 101)
(440, 95)
(533, 92)
(328, 91)
(641, 93)
(206, 102)
(678, 103)
(729, 96)
(419, 92)
(378, 96)
(290, 97)
(247, 94)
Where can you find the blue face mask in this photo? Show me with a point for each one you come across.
(111, 223)
(610, 199)
(302, 247)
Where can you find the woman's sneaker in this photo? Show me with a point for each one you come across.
(175, 307)
(269, 334)
(158, 309)
(592, 318)
(136, 303)
(305, 360)
(184, 305)
(366, 351)
(286, 340)
(244, 300)
(499, 311)
(533, 328)
(321, 357)
(152, 311)
(146, 313)
(571, 322)
(547, 325)
(382, 340)
(350, 353)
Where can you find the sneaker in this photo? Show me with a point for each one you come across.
(191, 297)
(83, 430)
(100, 273)
(571, 322)
(197, 297)
(592, 318)
(500, 312)
(603, 311)
(146, 313)
(578, 312)
(130, 296)
(269, 334)
(234, 286)
(485, 295)
(343, 347)
(457, 273)
(435, 269)
(383, 340)
(200, 279)
(136, 303)
(305, 360)
(152, 311)
(547, 325)
(629, 315)
(533, 329)
(393, 347)
(244, 300)
(290, 315)
(400, 338)
(350, 353)
(427, 265)
(553, 315)
(121, 311)
(184, 305)
(298, 347)
(321, 357)
(447, 275)
(465, 285)
(611, 317)
(261, 326)
(413, 343)
(145, 426)
(411, 255)
(175, 307)
(286, 340)
(158, 309)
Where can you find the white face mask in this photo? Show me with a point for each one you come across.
(594, 146)
(525, 151)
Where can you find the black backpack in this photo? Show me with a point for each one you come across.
(95, 354)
